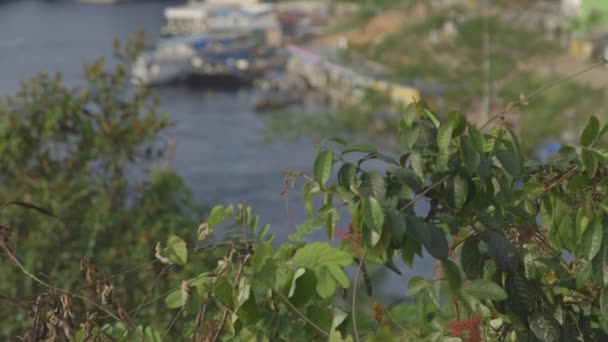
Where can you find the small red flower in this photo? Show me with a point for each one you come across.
(469, 329)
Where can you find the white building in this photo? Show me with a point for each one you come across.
(224, 15)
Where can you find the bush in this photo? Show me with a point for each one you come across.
(520, 248)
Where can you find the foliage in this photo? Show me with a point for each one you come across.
(84, 152)
(520, 248)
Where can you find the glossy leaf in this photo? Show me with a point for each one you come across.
(322, 167)
(485, 289)
(583, 272)
(416, 285)
(373, 216)
(592, 240)
(224, 292)
(591, 131)
(509, 162)
(326, 263)
(452, 274)
(502, 251)
(396, 223)
(469, 154)
(346, 175)
(589, 161)
(361, 148)
(544, 326)
(176, 250)
(372, 184)
(471, 259)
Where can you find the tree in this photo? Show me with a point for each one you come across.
(72, 150)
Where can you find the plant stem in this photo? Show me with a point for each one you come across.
(354, 300)
(540, 90)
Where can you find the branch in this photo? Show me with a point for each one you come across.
(14, 259)
(299, 313)
(354, 300)
(556, 183)
(540, 90)
(424, 192)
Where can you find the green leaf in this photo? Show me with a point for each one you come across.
(567, 233)
(176, 250)
(477, 138)
(590, 161)
(544, 326)
(410, 179)
(218, 215)
(373, 216)
(460, 122)
(409, 251)
(502, 251)
(396, 224)
(453, 274)
(418, 229)
(409, 135)
(416, 285)
(471, 259)
(363, 148)
(431, 117)
(485, 289)
(224, 292)
(533, 189)
(346, 175)
(326, 263)
(509, 162)
(583, 272)
(592, 240)
(174, 299)
(604, 302)
(469, 154)
(417, 164)
(322, 167)
(303, 287)
(521, 297)
(460, 191)
(591, 131)
(439, 247)
(248, 311)
(444, 136)
(599, 267)
(372, 184)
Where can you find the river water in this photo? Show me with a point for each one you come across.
(217, 134)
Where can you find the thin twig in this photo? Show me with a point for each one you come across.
(173, 321)
(218, 332)
(156, 282)
(354, 300)
(556, 183)
(14, 259)
(540, 90)
(299, 313)
(424, 192)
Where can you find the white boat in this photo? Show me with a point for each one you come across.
(208, 54)
(167, 63)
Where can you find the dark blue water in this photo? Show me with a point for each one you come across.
(217, 134)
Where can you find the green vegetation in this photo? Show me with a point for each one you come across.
(88, 253)
(74, 150)
(500, 274)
